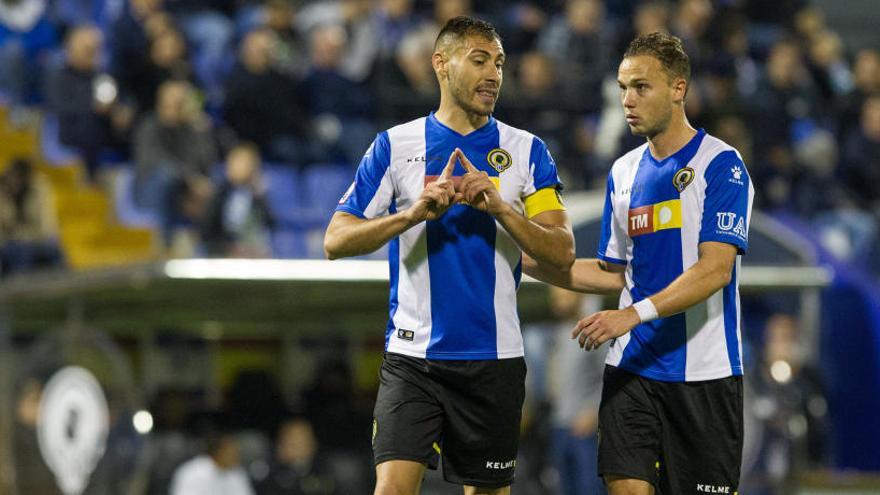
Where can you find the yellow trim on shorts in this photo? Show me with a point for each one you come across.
(542, 200)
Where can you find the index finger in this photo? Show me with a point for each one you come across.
(450, 166)
(465, 162)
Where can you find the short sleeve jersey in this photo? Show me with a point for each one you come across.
(454, 279)
(657, 212)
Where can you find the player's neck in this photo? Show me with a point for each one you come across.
(459, 120)
(673, 138)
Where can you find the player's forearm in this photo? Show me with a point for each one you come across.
(585, 275)
(348, 235)
(693, 286)
(551, 245)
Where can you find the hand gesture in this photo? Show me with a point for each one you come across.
(437, 196)
(477, 189)
(596, 329)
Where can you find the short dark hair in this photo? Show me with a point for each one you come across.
(667, 49)
(462, 26)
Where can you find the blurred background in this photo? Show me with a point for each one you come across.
(167, 169)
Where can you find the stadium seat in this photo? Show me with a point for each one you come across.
(282, 191)
(54, 152)
(127, 212)
(324, 185)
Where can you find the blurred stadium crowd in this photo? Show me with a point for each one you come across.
(154, 96)
(232, 127)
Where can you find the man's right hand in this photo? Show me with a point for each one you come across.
(437, 197)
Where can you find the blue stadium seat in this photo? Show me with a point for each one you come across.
(324, 185)
(282, 191)
(50, 144)
(127, 212)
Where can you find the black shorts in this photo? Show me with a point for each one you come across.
(465, 412)
(682, 437)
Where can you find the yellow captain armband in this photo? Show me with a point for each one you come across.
(542, 200)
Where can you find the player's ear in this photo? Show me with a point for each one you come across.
(679, 89)
(439, 61)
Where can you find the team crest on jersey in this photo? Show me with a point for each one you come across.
(683, 178)
(499, 159)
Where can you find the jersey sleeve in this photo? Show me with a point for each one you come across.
(612, 243)
(542, 169)
(372, 191)
(727, 207)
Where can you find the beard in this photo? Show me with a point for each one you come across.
(656, 128)
(464, 98)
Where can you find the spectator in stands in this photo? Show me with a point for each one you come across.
(790, 403)
(393, 19)
(342, 108)
(263, 105)
(26, 37)
(290, 57)
(649, 16)
(828, 66)
(860, 168)
(574, 402)
(91, 116)
(578, 42)
(415, 49)
(354, 16)
(534, 103)
(173, 149)
(785, 102)
(28, 224)
(217, 471)
(166, 59)
(297, 469)
(238, 221)
(210, 31)
(691, 22)
(130, 38)
(734, 49)
(866, 79)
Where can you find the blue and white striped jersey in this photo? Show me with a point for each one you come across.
(656, 215)
(453, 280)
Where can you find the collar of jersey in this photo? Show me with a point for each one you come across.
(683, 155)
(488, 126)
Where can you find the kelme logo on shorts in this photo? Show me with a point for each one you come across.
(501, 465)
(499, 159)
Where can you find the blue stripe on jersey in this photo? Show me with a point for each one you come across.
(394, 278)
(726, 207)
(607, 219)
(461, 254)
(654, 349)
(369, 176)
(730, 323)
(545, 174)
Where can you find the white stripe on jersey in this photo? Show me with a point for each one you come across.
(414, 278)
(507, 254)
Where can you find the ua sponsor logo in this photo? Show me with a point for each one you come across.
(725, 220)
(729, 221)
(501, 465)
(712, 488)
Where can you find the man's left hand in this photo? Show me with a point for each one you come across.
(478, 190)
(598, 328)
